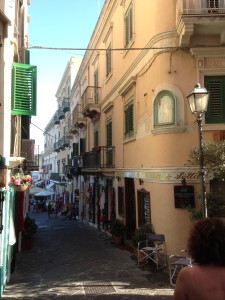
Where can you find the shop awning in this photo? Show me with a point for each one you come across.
(34, 190)
(49, 185)
(44, 193)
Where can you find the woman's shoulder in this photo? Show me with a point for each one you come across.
(199, 271)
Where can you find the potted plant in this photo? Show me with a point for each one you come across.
(140, 235)
(30, 228)
(20, 182)
(118, 231)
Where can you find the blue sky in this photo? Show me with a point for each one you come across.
(61, 24)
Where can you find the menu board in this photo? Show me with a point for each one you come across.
(184, 196)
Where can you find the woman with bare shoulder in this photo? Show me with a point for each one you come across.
(205, 280)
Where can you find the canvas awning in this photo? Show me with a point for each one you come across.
(49, 185)
(34, 190)
(44, 193)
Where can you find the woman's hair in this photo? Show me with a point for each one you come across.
(207, 242)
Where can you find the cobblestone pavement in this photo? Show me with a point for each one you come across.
(73, 260)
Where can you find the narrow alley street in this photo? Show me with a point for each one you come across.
(73, 260)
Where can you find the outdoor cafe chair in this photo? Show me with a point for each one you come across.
(176, 263)
(152, 249)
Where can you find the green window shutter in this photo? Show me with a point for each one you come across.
(96, 86)
(109, 133)
(96, 137)
(129, 120)
(27, 56)
(129, 26)
(108, 60)
(216, 107)
(24, 80)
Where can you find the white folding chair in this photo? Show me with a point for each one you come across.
(152, 249)
(176, 263)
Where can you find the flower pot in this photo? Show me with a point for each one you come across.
(20, 188)
(117, 240)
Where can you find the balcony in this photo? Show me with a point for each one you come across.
(79, 120)
(56, 119)
(56, 146)
(201, 22)
(61, 113)
(90, 102)
(99, 158)
(64, 142)
(65, 104)
(74, 129)
(76, 166)
(68, 133)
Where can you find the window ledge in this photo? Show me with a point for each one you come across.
(207, 127)
(171, 129)
(129, 139)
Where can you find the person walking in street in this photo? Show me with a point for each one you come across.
(205, 280)
(49, 210)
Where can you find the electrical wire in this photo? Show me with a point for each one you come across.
(44, 131)
(103, 49)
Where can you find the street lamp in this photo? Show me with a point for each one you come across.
(198, 101)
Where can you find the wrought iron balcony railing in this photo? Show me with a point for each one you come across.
(64, 142)
(56, 119)
(65, 104)
(191, 7)
(99, 157)
(90, 102)
(56, 146)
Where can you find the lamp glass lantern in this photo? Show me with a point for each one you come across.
(198, 100)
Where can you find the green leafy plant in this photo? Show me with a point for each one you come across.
(30, 228)
(118, 228)
(212, 209)
(214, 156)
(140, 233)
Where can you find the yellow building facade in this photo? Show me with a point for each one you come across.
(142, 61)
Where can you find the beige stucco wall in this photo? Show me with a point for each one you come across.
(157, 154)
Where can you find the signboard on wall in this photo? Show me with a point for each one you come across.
(34, 175)
(184, 196)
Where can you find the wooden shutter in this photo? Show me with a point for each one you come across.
(216, 108)
(96, 138)
(108, 60)
(128, 26)
(24, 79)
(109, 133)
(129, 120)
(82, 145)
(75, 149)
(96, 86)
